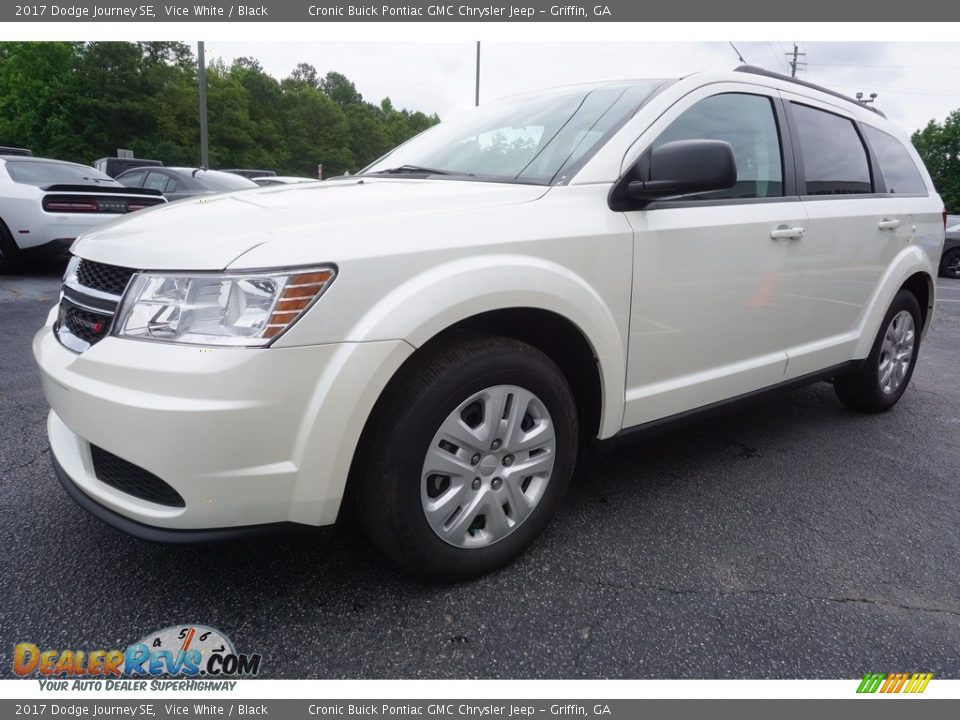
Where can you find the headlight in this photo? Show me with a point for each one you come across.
(236, 309)
(70, 274)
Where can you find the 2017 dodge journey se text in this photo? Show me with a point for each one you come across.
(435, 338)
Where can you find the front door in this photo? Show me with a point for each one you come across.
(713, 308)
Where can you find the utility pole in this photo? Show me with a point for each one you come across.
(794, 63)
(202, 78)
(476, 101)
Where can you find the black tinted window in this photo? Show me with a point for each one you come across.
(900, 175)
(746, 122)
(157, 181)
(834, 159)
(131, 179)
(43, 172)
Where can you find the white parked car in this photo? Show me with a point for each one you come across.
(45, 204)
(437, 338)
(268, 180)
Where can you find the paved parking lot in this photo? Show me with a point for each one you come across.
(789, 539)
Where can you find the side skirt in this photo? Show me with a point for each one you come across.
(689, 417)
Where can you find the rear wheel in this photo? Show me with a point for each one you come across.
(950, 264)
(467, 458)
(883, 377)
(11, 260)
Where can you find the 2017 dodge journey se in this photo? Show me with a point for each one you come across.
(435, 339)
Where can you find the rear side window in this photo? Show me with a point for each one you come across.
(834, 158)
(157, 181)
(900, 175)
(43, 172)
(748, 123)
(131, 179)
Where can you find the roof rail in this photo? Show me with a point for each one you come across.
(753, 70)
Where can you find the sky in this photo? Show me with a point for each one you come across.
(915, 82)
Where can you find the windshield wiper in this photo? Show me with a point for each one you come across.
(414, 170)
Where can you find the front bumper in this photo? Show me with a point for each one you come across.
(246, 437)
(151, 533)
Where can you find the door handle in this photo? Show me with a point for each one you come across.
(888, 224)
(785, 232)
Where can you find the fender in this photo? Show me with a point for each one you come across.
(909, 261)
(405, 319)
(473, 285)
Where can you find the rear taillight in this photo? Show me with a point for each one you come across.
(51, 205)
(132, 206)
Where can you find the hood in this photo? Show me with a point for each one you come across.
(210, 233)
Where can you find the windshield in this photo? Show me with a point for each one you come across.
(50, 173)
(216, 180)
(531, 138)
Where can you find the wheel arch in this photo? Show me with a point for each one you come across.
(509, 295)
(911, 270)
(555, 336)
(921, 284)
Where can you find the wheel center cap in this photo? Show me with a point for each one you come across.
(488, 465)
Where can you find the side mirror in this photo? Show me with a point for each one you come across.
(682, 167)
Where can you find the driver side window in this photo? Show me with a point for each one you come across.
(749, 124)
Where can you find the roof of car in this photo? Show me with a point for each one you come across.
(286, 179)
(30, 158)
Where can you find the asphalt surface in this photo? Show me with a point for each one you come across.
(791, 539)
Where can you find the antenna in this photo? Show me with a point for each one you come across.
(739, 56)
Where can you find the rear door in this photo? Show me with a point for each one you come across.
(854, 232)
(899, 177)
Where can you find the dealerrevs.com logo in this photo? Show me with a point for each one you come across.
(172, 658)
(887, 683)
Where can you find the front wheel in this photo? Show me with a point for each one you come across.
(467, 458)
(883, 377)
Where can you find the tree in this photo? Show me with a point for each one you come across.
(38, 98)
(81, 101)
(339, 89)
(939, 147)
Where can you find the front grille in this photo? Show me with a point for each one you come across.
(88, 326)
(105, 278)
(132, 480)
(89, 302)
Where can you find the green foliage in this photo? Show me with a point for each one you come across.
(939, 146)
(82, 101)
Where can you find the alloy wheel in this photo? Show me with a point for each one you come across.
(896, 352)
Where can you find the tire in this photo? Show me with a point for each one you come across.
(950, 264)
(397, 486)
(11, 259)
(880, 381)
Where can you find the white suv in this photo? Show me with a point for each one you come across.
(435, 338)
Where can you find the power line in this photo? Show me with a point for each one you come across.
(898, 90)
(826, 67)
(777, 60)
(870, 65)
